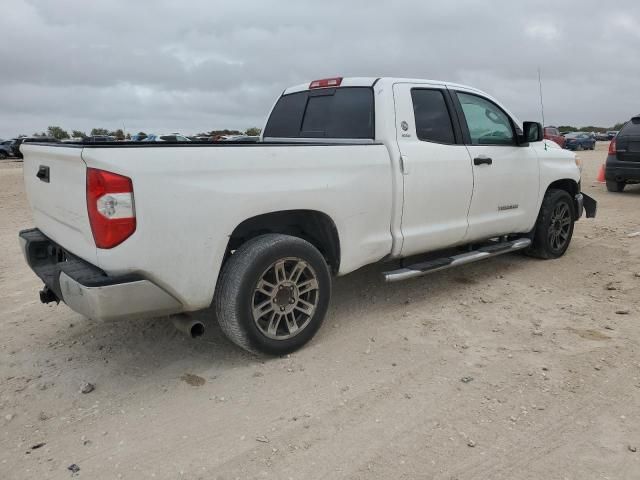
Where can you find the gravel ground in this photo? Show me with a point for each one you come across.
(514, 368)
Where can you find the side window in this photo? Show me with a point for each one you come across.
(488, 124)
(433, 122)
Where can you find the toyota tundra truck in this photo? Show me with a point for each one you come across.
(348, 172)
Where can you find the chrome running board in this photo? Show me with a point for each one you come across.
(443, 263)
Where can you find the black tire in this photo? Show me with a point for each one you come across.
(3, 156)
(237, 289)
(614, 186)
(545, 243)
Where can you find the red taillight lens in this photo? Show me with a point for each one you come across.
(326, 82)
(612, 147)
(110, 205)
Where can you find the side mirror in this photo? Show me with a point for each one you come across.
(532, 132)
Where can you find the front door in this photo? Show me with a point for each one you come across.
(506, 175)
(437, 172)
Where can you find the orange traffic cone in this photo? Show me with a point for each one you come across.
(600, 177)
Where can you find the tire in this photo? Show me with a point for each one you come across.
(557, 207)
(251, 282)
(614, 186)
(3, 156)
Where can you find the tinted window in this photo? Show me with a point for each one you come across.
(324, 113)
(433, 122)
(488, 124)
(631, 128)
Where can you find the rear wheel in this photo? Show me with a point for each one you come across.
(554, 227)
(273, 294)
(3, 155)
(614, 186)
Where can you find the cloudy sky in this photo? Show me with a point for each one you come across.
(191, 66)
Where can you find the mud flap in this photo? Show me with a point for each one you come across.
(590, 206)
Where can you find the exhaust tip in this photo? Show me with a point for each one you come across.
(197, 330)
(187, 325)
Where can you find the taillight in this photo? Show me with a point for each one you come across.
(110, 205)
(326, 82)
(612, 147)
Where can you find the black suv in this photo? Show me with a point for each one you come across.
(15, 146)
(623, 161)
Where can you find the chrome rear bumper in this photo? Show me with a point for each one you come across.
(88, 290)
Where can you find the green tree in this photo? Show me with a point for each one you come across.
(119, 134)
(78, 134)
(618, 126)
(142, 135)
(57, 132)
(41, 134)
(253, 131)
(99, 131)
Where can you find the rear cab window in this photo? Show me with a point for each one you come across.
(343, 112)
(432, 116)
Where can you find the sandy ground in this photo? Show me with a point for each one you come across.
(514, 368)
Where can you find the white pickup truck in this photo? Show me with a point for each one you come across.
(350, 171)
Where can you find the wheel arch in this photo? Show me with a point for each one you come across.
(571, 187)
(314, 226)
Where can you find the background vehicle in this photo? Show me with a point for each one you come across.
(350, 172)
(579, 141)
(5, 149)
(242, 138)
(552, 133)
(15, 146)
(623, 160)
(99, 139)
(169, 137)
(602, 137)
(612, 134)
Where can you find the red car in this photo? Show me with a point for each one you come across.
(552, 133)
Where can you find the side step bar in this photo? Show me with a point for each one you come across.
(430, 266)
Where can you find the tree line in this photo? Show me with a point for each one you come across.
(590, 128)
(62, 134)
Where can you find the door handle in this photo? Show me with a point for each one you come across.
(43, 173)
(403, 165)
(482, 160)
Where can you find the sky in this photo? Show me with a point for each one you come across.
(191, 66)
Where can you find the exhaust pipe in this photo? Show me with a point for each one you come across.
(188, 325)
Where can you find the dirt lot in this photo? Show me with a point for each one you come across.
(510, 369)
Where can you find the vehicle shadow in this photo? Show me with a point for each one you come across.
(146, 347)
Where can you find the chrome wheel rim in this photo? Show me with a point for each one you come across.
(559, 226)
(285, 298)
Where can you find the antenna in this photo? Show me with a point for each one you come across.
(541, 102)
(540, 87)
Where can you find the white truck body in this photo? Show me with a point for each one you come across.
(390, 196)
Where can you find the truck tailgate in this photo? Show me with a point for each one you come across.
(55, 181)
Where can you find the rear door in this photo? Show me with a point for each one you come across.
(55, 182)
(506, 175)
(628, 141)
(437, 174)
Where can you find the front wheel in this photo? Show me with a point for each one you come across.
(273, 294)
(554, 227)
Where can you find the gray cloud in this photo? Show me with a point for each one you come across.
(198, 65)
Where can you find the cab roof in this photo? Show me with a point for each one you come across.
(370, 81)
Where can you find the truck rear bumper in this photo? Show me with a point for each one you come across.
(88, 290)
